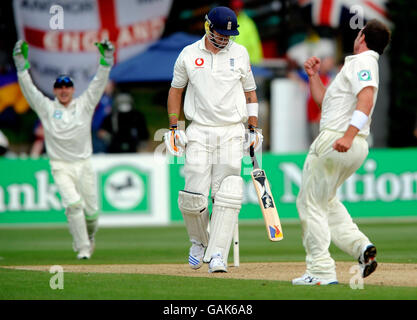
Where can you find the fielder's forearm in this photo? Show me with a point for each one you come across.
(364, 105)
(317, 89)
(174, 104)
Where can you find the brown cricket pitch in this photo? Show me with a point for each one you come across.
(387, 274)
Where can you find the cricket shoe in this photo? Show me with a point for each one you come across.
(217, 264)
(84, 254)
(367, 262)
(195, 258)
(308, 280)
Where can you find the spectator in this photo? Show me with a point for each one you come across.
(103, 109)
(125, 128)
(38, 146)
(248, 32)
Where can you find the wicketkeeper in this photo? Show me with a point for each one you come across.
(219, 99)
(67, 124)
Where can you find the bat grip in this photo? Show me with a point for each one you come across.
(253, 157)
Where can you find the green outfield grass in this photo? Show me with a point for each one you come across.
(396, 243)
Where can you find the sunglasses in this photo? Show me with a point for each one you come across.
(63, 81)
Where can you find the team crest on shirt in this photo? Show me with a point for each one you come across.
(232, 64)
(364, 75)
(57, 114)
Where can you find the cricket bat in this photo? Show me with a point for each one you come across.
(266, 201)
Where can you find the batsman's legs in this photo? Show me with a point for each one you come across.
(226, 208)
(193, 200)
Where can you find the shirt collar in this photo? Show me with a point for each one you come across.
(370, 53)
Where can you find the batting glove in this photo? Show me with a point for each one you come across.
(255, 138)
(106, 49)
(20, 55)
(175, 141)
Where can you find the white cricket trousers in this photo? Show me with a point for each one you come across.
(76, 182)
(323, 217)
(212, 154)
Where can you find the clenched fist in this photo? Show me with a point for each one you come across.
(312, 66)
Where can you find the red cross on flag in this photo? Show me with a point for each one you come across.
(61, 34)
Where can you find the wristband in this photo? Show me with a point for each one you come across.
(173, 114)
(252, 109)
(359, 119)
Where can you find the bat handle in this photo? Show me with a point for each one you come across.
(253, 157)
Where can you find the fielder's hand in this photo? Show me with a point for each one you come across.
(106, 49)
(312, 66)
(175, 141)
(255, 138)
(20, 55)
(343, 144)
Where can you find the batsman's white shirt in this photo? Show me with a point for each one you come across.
(339, 103)
(215, 83)
(67, 129)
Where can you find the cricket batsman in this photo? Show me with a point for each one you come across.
(338, 151)
(67, 124)
(219, 99)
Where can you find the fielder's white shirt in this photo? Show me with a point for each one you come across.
(67, 129)
(215, 83)
(339, 103)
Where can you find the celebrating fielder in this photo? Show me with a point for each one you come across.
(220, 97)
(67, 125)
(339, 150)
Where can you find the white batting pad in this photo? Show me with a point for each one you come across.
(226, 208)
(193, 207)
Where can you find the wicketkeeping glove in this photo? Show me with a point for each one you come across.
(175, 141)
(255, 138)
(20, 55)
(106, 49)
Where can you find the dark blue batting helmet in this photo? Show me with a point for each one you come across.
(223, 20)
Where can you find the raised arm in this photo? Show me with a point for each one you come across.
(95, 90)
(34, 97)
(318, 90)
